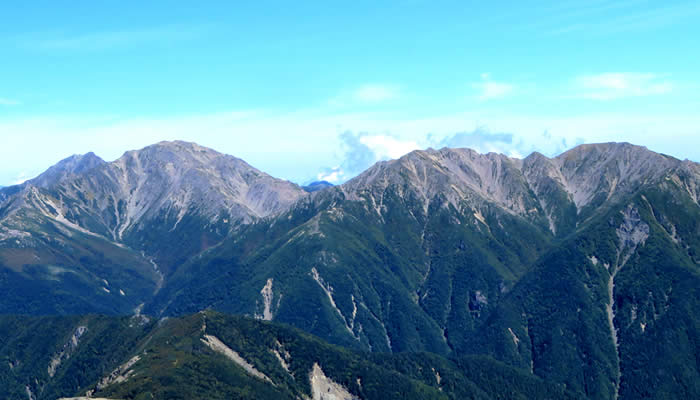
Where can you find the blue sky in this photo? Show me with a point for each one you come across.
(309, 90)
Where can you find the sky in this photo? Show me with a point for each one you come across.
(322, 89)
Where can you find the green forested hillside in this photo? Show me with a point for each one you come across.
(130, 358)
(51, 357)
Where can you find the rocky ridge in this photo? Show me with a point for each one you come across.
(165, 181)
(587, 175)
(128, 222)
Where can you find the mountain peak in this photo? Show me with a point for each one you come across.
(587, 174)
(170, 151)
(73, 165)
(174, 178)
(452, 174)
(179, 162)
(170, 191)
(181, 145)
(588, 170)
(608, 149)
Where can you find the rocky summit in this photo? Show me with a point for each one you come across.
(456, 274)
(147, 211)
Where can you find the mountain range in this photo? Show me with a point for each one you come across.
(580, 271)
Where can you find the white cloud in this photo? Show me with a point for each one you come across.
(332, 175)
(20, 179)
(480, 140)
(371, 94)
(489, 89)
(515, 154)
(360, 150)
(375, 93)
(8, 102)
(616, 85)
(388, 147)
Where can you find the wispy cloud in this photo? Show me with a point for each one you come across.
(387, 146)
(9, 102)
(374, 93)
(489, 89)
(616, 85)
(20, 179)
(92, 41)
(608, 17)
(366, 95)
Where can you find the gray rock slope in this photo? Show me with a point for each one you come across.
(156, 206)
(169, 178)
(537, 186)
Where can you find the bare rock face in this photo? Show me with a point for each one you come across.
(67, 168)
(687, 177)
(163, 204)
(609, 169)
(323, 388)
(174, 179)
(537, 186)
(456, 175)
(168, 178)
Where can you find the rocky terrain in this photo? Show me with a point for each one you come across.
(141, 214)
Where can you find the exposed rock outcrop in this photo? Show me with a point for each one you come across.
(324, 388)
